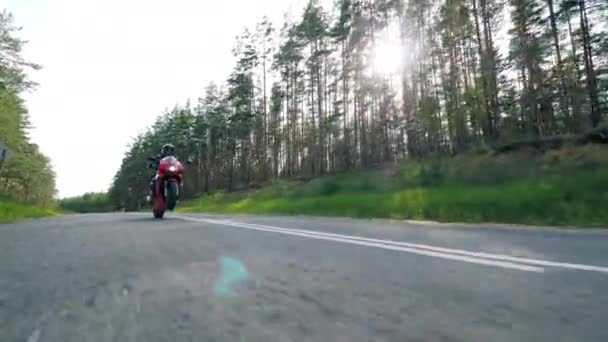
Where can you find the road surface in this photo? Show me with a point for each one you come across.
(126, 277)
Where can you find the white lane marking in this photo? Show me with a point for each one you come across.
(313, 235)
(490, 256)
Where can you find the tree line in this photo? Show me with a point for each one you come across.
(87, 203)
(305, 99)
(26, 177)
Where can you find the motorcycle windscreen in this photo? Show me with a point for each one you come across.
(169, 160)
(166, 163)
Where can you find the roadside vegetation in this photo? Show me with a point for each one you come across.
(87, 203)
(562, 187)
(316, 107)
(12, 212)
(27, 180)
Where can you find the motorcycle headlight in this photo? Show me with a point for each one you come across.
(172, 169)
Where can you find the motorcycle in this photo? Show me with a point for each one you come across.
(167, 184)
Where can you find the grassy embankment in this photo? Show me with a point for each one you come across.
(564, 187)
(12, 212)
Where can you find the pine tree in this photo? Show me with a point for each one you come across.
(528, 51)
(28, 176)
(340, 33)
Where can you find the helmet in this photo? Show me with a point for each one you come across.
(167, 150)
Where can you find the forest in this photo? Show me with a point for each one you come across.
(366, 83)
(27, 177)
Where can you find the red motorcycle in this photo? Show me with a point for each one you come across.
(167, 184)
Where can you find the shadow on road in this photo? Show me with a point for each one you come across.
(149, 218)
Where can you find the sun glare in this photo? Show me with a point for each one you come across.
(387, 59)
(388, 54)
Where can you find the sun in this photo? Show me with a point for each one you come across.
(387, 59)
(388, 52)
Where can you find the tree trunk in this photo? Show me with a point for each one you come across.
(563, 99)
(263, 151)
(347, 161)
(575, 96)
(595, 115)
(490, 66)
(321, 140)
(489, 129)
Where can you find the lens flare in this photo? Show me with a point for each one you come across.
(232, 274)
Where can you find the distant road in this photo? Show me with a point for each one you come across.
(127, 277)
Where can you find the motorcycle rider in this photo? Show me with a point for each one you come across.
(166, 151)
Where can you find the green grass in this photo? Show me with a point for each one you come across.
(12, 212)
(565, 188)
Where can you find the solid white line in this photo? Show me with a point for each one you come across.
(312, 235)
(491, 256)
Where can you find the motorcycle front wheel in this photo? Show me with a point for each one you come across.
(158, 214)
(172, 195)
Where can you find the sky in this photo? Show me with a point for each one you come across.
(110, 67)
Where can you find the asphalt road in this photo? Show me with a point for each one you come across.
(126, 277)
